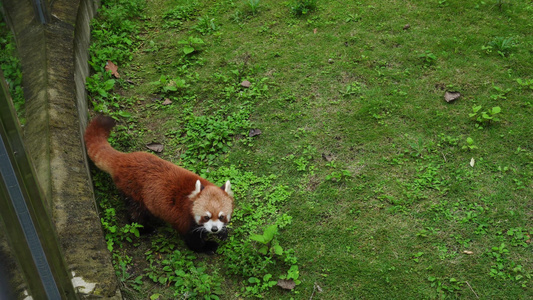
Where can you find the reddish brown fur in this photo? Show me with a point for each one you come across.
(158, 185)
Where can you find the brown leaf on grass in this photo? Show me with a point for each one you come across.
(254, 132)
(246, 84)
(315, 30)
(327, 157)
(167, 101)
(451, 96)
(286, 284)
(468, 252)
(110, 66)
(156, 147)
(407, 26)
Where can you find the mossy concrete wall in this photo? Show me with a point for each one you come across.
(54, 67)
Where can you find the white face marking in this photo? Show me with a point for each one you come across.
(208, 214)
(210, 224)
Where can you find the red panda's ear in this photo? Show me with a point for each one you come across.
(197, 189)
(227, 188)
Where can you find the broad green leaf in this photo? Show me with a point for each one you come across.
(124, 114)
(267, 277)
(108, 85)
(278, 250)
(188, 50)
(258, 238)
(270, 232)
(263, 250)
(253, 280)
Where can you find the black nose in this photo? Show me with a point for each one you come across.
(214, 229)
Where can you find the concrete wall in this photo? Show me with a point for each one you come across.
(54, 68)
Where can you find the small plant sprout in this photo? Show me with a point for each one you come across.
(428, 58)
(501, 45)
(484, 117)
(352, 89)
(167, 85)
(525, 83)
(270, 245)
(302, 7)
(501, 94)
(191, 45)
(206, 25)
(416, 256)
(352, 18)
(417, 147)
(254, 6)
(339, 176)
(469, 144)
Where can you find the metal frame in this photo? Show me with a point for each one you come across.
(29, 228)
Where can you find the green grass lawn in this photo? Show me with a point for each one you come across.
(379, 188)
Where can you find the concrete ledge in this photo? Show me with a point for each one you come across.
(54, 66)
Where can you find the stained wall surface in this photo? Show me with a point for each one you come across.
(54, 67)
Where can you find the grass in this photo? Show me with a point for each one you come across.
(11, 68)
(376, 187)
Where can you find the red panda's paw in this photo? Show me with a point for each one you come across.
(223, 234)
(196, 241)
(210, 247)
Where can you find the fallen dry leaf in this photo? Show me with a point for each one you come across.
(327, 157)
(110, 66)
(254, 132)
(468, 252)
(286, 284)
(167, 101)
(451, 96)
(156, 147)
(246, 84)
(315, 30)
(407, 26)
(472, 162)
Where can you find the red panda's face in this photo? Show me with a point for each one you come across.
(213, 224)
(212, 206)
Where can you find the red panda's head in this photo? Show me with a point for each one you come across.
(212, 206)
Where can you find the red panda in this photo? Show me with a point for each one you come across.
(156, 187)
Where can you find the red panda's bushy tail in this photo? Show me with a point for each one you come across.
(98, 148)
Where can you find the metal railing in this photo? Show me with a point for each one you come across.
(27, 223)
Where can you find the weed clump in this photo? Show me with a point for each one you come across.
(501, 45)
(302, 7)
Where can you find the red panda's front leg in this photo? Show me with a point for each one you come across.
(196, 240)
